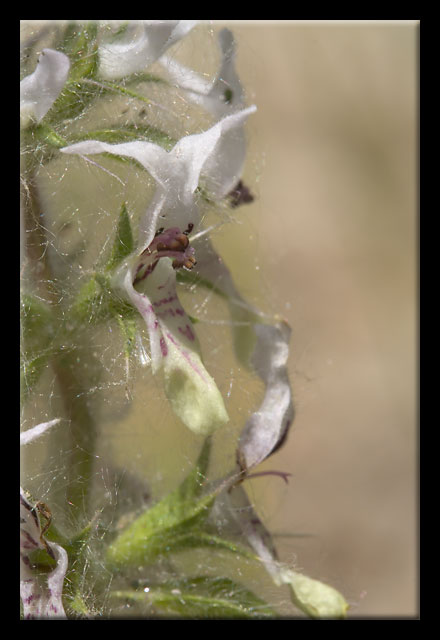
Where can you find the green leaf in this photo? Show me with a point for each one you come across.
(128, 326)
(73, 99)
(30, 371)
(95, 302)
(37, 332)
(166, 525)
(88, 305)
(122, 90)
(117, 134)
(78, 605)
(76, 590)
(123, 244)
(46, 134)
(36, 321)
(202, 597)
(197, 539)
(81, 45)
(144, 77)
(192, 486)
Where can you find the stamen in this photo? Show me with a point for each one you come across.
(281, 474)
(170, 243)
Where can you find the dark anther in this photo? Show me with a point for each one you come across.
(183, 239)
(189, 263)
(179, 243)
(228, 95)
(240, 195)
(171, 243)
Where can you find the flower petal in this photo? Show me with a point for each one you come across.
(40, 89)
(252, 527)
(220, 96)
(177, 172)
(36, 432)
(144, 43)
(267, 428)
(41, 595)
(175, 350)
(223, 167)
(266, 348)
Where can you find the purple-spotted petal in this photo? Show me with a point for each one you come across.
(41, 594)
(175, 350)
(142, 45)
(40, 89)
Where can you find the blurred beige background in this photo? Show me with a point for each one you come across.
(334, 144)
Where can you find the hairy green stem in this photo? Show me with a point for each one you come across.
(79, 438)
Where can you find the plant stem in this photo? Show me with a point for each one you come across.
(79, 438)
(82, 433)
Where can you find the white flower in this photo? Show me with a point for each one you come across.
(177, 172)
(40, 89)
(148, 278)
(142, 45)
(41, 595)
(222, 96)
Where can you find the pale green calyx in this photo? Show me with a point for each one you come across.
(192, 392)
(315, 598)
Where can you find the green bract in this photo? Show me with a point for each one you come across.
(201, 597)
(180, 513)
